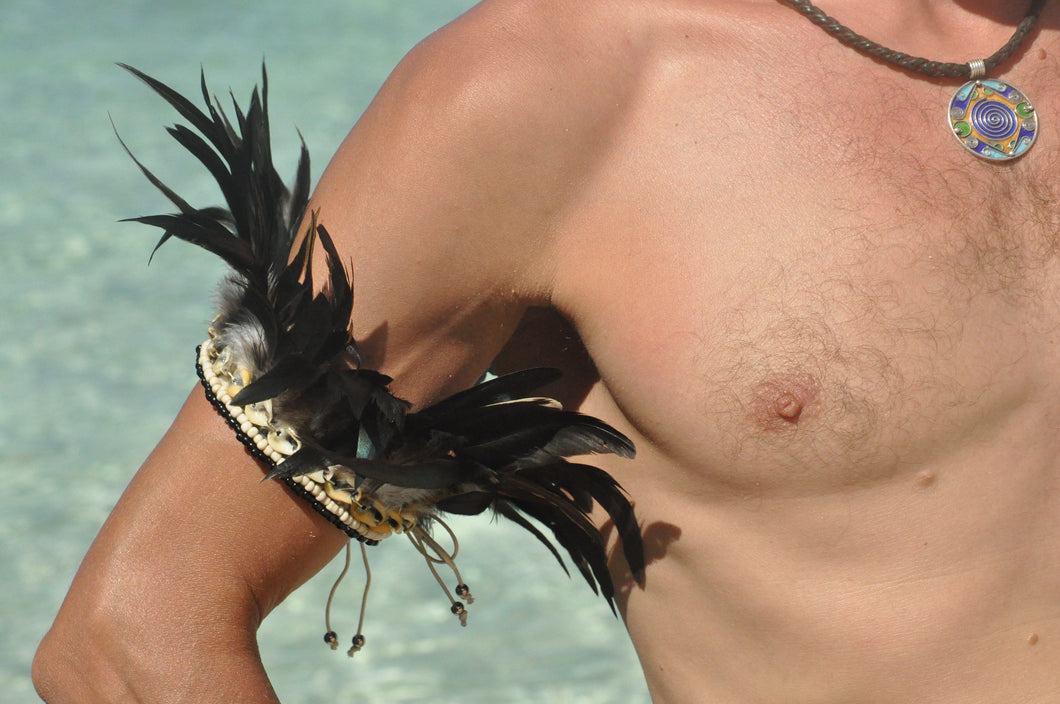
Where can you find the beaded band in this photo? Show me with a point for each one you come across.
(272, 441)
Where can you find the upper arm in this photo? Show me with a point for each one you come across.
(448, 196)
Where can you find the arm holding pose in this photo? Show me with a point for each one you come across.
(443, 197)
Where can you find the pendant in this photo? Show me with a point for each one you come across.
(993, 119)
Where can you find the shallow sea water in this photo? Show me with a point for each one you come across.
(96, 347)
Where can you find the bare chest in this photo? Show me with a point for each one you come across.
(828, 306)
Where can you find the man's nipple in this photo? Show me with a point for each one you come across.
(783, 400)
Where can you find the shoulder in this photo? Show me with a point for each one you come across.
(539, 70)
(521, 68)
(475, 141)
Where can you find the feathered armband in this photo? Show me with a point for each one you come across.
(283, 370)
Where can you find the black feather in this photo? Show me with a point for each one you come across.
(439, 474)
(306, 461)
(601, 486)
(508, 387)
(505, 509)
(289, 373)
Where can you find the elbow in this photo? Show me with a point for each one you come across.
(52, 669)
(75, 662)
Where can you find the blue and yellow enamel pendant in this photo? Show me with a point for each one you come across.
(993, 119)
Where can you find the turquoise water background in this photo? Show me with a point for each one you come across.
(96, 347)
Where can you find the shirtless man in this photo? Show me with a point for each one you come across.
(830, 330)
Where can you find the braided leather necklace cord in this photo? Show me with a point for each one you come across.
(932, 69)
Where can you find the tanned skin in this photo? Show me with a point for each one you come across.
(831, 332)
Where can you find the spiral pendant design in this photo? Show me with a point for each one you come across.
(993, 119)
